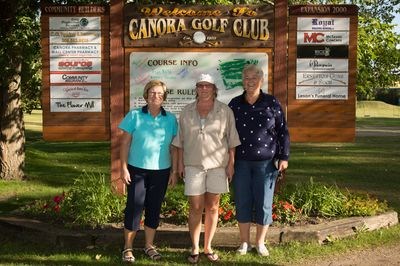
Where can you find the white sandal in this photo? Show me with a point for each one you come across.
(262, 250)
(128, 259)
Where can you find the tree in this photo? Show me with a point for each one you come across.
(19, 42)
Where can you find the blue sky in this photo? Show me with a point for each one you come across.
(397, 21)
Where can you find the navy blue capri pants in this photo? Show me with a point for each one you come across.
(146, 191)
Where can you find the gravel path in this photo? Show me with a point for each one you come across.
(382, 255)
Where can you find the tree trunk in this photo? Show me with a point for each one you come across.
(12, 136)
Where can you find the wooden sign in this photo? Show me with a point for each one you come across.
(322, 68)
(198, 26)
(75, 75)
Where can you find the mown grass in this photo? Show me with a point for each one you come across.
(370, 165)
(14, 252)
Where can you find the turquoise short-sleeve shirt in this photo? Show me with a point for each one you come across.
(151, 138)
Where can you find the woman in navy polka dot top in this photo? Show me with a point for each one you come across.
(264, 136)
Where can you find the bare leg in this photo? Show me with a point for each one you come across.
(261, 233)
(149, 234)
(211, 219)
(129, 236)
(196, 207)
(244, 229)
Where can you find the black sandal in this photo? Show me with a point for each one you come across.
(212, 257)
(152, 253)
(193, 258)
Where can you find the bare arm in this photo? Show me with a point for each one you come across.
(230, 168)
(181, 167)
(173, 176)
(126, 140)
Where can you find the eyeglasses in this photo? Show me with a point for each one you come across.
(204, 85)
(156, 93)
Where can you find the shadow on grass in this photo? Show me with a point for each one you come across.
(17, 251)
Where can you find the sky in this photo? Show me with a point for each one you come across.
(397, 21)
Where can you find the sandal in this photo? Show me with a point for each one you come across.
(152, 253)
(193, 258)
(212, 256)
(128, 258)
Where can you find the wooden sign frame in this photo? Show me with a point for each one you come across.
(330, 117)
(75, 80)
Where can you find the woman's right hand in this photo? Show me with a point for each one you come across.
(126, 176)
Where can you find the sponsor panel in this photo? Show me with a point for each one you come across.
(323, 24)
(321, 93)
(75, 64)
(316, 51)
(75, 78)
(74, 23)
(323, 38)
(75, 91)
(75, 50)
(325, 79)
(75, 105)
(321, 64)
(75, 37)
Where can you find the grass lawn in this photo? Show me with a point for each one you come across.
(370, 165)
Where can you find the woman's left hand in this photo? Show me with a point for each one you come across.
(173, 177)
(229, 170)
(282, 165)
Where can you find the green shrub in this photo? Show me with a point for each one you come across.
(91, 202)
(315, 199)
(363, 205)
(175, 208)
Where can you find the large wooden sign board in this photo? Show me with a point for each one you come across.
(96, 62)
(322, 73)
(75, 83)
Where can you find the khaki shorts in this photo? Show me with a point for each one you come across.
(199, 181)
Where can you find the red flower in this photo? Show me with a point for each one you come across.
(56, 208)
(220, 210)
(228, 215)
(274, 216)
(58, 199)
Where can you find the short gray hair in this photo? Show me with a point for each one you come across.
(253, 68)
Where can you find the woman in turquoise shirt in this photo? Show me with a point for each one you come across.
(148, 165)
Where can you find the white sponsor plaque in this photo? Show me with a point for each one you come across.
(322, 64)
(323, 24)
(74, 23)
(75, 37)
(321, 93)
(323, 38)
(75, 64)
(75, 50)
(326, 79)
(75, 105)
(71, 77)
(75, 91)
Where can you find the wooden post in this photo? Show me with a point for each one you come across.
(280, 55)
(116, 89)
